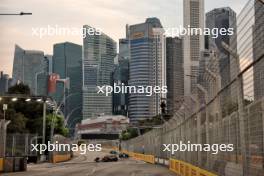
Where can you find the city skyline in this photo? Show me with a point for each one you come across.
(11, 35)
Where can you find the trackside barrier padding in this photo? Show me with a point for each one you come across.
(146, 158)
(61, 158)
(179, 167)
(185, 169)
(1, 164)
(139, 156)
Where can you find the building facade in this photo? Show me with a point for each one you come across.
(104, 127)
(4, 82)
(258, 49)
(120, 77)
(147, 67)
(43, 76)
(27, 64)
(193, 17)
(175, 78)
(250, 47)
(67, 63)
(223, 18)
(99, 52)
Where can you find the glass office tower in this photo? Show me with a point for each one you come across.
(67, 63)
(27, 64)
(99, 52)
(147, 67)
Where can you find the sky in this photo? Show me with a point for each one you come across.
(110, 16)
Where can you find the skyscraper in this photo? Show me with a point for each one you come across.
(193, 17)
(4, 79)
(67, 63)
(42, 77)
(99, 51)
(250, 47)
(258, 49)
(124, 48)
(175, 79)
(147, 67)
(120, 77)
(222, 18)
(27, 64)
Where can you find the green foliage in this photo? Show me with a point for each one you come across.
(129, 134)
(58, 125)
(18, 122)
(19, 89)
(156, 120)
(27, 117)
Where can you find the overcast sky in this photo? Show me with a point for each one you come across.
(109, 15)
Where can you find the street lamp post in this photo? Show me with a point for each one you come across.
(69, 115)
(4, 109)
(21, 13)
(44, 122)
(4, 128)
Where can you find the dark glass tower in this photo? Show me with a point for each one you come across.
(174, 76)
(67, 62)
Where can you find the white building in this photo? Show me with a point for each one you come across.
(102, 127)
(193, 17)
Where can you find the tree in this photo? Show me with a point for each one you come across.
(129, 134)
(59, 127)
(27, 117)
(18, 122)
(19, 89)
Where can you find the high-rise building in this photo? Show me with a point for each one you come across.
(99, 51)
(124, 48)
(120, 77)
(43, 76)
(258, 48)
(193, 17)
(67, 63)
(222, 18)
(250, 47)
(175, 78)
(4, 80)
(27, 64)
(147, 67)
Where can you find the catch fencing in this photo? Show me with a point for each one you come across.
(226, 107)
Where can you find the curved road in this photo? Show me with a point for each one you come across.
(83, 165)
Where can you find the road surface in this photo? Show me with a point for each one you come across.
(83, 165)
